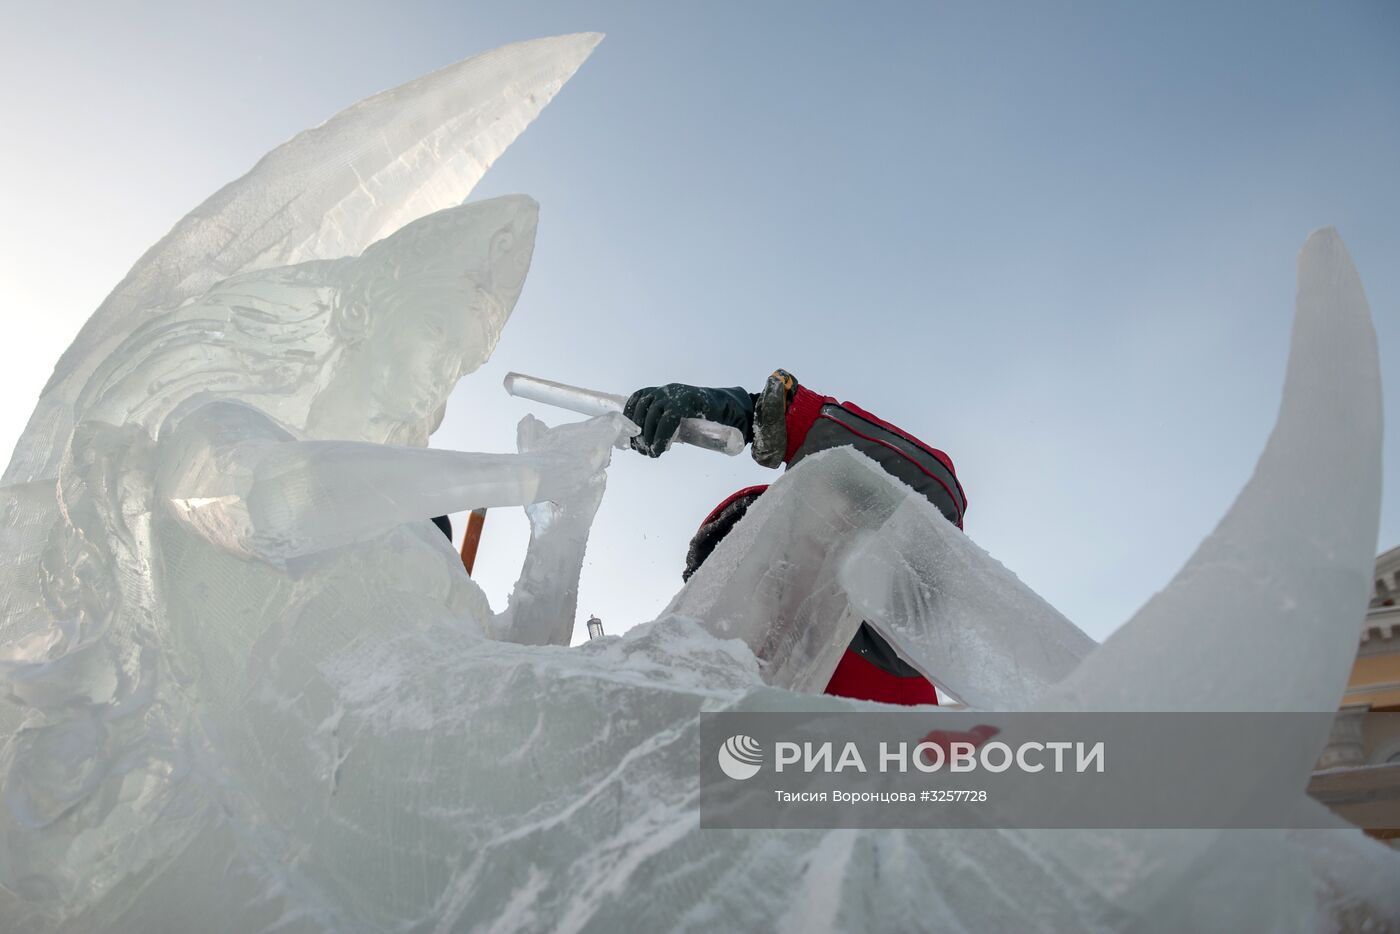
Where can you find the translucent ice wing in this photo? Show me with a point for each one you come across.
(328, 192)
(1266, 614)
(369, 170)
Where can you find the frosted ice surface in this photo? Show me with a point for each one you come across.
(837, 538)
(248, 687)
(772, 581)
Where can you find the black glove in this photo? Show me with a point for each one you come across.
(658, 410)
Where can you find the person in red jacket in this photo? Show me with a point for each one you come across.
(785, 423)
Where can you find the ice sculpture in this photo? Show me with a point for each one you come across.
(247, 687)
(326, 193)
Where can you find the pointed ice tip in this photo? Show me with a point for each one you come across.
(1328, 284)
(1325, 250)
(579, 44)
(1323, 240)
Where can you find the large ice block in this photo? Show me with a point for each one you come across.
(837, 540)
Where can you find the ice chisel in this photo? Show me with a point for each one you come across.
(698, 432)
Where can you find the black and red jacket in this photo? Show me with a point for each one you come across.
(792, 422)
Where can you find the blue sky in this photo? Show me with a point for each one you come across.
(1056, 240)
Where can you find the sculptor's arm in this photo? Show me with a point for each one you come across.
(786, 422)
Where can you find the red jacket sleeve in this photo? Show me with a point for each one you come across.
(792, 422)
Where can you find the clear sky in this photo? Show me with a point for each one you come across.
(1056, 240)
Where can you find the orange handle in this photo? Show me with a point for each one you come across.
(471, 540)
